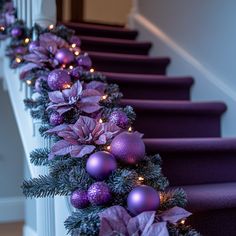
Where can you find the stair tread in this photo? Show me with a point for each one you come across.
(177, 106)
(192, 144)
(210, 196)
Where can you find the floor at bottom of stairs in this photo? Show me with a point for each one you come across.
(11, 229)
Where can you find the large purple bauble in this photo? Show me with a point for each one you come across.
(16, 32)
(100, 165)
(65, 56)
(56, 119)
(128, 148)
(143, 198)
(84, 61)
(58, 79)
(33, 45)
(38, 83)
(79, 199)
(75, 40)
(99, 193)
(119, 118)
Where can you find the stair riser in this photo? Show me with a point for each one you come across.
(156, 124)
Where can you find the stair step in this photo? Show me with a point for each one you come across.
(177, 119)
(189, 161)
(101, 23)
(102, 30)
(138, 86)
(124, 63)
(212, 204)
(100, 44)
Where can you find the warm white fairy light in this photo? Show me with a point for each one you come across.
(104, 97)
(71, 67)
(28, 82)
(26, 40)
(140, 178)
(2, 28)
(92, 70)
(51, 27)
(182, 222)
(100, 121)
(66, 86)
(63, 66)
(18, 60)
(76, 53)
(130, 129)
(108, 148)
(73, 45)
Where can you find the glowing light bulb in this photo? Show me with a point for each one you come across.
(76, 53)
(130, 129)
(28, 82)
(182, 222)
(18, 60)
(91, 70)
(51, 27)
(104, 97)
(108, 148)
(63, 66)
(140, 178)
(2, 28)
(73, 45)
(100, 121)
(26, 40)
(71, 67)
(66, 86)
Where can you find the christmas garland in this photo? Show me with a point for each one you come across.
(96, 158)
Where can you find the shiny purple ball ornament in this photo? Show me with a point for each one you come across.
(58, 79)
(16, 32)
(65, 56)
(100, 165)
(84, 61)
(119, 118)
(128, 148)
(56, 119)
(79, 199)
(33, 45)
(143, 198)
(99, 194)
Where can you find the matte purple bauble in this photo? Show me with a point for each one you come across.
(16, 32)
(56, 119)
(100, 165)
(33, 45)
(38, 83)
(143, 198)
(84, 61)
(119, 118)
(65, 56)
(99, 193)
(79, 199)
(128, 148)
(75, 40)
(58, 79)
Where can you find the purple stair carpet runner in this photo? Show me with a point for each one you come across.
(186, 134)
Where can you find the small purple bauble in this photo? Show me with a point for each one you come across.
(128, 147)
(65, 56)
(99, 193)
(143, 198)
(84, 61)
(56, 119)
(58, 79)
(119, 118)
(38, 83)
(101, 164)
(21, 50)
(75, 40)
(79, 199)
(16, 32)
(33, 45)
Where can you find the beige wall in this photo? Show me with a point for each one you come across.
(108, 11)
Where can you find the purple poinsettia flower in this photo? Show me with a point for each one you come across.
(116, 221)
(82, 137)
(85, 99)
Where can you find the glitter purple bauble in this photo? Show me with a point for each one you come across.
(16, 32)
(33, 45)
(38, 83)
(100, 165)
(79, 199)
(99, 193)
(56, 119)
(58, 79)
(84, 61)
(143, 198)
(119, 118)
(128, 148)
(75, 40)
(65, 56)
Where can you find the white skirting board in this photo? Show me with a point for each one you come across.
(28, 231)
(208, 86)
(11, 209)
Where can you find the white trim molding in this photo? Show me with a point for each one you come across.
(28, 231)
(12, 209)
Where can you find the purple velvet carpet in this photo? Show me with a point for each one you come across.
(186, 134)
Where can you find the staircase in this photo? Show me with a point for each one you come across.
(186, 134)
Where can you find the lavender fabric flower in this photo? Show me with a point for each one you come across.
(80, 138)
(116, 221)
(86, 100)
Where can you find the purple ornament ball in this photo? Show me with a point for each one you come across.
(58, 79)
(79, 199)
(128, 147)
(38, 83)
(84, 61)
(100, 165)
(99, 194)
(16, 32)
(143, 198)
(56, 119)
(21, 50)
(119, 118)
(75, 40)
(33, 45)
(65, 56)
